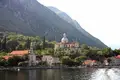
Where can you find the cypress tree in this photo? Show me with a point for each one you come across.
(28, 43)
(0, 45)
(4, 44)
(44, 42)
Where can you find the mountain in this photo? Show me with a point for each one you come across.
(29, 17)
(67, 18)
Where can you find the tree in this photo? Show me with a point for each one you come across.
(66, 60)
(92, 54)
(0, 45)
(3, 54)
(3, 62)
(80, 59)
(100, 56)
(100, 53)
(12, 45)
(84, 46)
(27, 44)
(13, 61)
(38, 52)
(85, 52)
(3, 44)
(51, 51)
(107, 52)
(116, 52)
(37, 46)
(20, 47)
(43, 42)
(73, 54)
(53, 42)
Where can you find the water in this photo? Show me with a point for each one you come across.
(106, 74)
(62, 74)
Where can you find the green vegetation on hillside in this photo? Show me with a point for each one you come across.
(15, 41)
(67, 56)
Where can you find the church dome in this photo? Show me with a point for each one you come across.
(64, 39)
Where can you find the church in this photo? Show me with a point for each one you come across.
(66, 44)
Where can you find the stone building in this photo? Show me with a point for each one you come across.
(32, 56)
(50, 60)
(115, 60)
(66, 44)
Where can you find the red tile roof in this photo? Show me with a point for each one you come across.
(19, 52)
(16, 53)
(118, 57)
(86, 62)
(6, 57)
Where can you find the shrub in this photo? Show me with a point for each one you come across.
(14, 61)
(80, 59)
(66, 60)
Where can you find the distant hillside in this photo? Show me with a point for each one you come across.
(29, 17)
(67, 18)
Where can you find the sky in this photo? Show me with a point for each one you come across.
(101, 18)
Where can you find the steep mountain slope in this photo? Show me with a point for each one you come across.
(29, 17)
(67, 18)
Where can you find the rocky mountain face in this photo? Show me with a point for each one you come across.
(29, 17)
(67, 18)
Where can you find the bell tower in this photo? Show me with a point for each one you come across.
(32, 56)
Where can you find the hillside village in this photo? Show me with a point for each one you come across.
(20, 50)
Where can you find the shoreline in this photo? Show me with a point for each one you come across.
(53, 67)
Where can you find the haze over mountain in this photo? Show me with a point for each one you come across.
(67, 18)
(29, 17)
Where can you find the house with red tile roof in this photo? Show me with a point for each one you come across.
(16, 53)
(19, 53)
(6, 57)
(89, 62)
(118, 56)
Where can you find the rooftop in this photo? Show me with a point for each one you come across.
(19, 52)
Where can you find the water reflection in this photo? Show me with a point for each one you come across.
(32, 74)
(63, 74)
(106, 74)
(50, 74)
